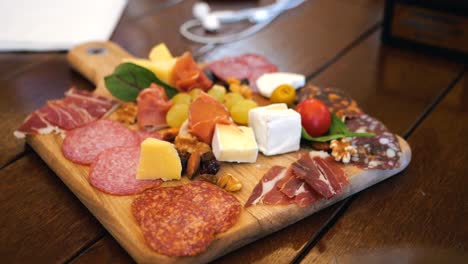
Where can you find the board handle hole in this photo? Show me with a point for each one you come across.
(96, 50)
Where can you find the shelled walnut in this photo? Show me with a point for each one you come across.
(229, 182)
(191, 144)
(126, 113)
(342, 150)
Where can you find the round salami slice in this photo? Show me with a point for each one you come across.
(214, 201)
(181, 229)
(154, 199)
(83, 145)
(379, 152)
(114, 172)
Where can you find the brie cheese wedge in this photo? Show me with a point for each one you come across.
(277, 129)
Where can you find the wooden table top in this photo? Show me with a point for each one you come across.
(418, 215)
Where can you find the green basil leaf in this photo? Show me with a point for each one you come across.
(325, 138)
(129, 79)
(337, 126)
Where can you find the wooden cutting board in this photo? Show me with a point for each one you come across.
(96, 60)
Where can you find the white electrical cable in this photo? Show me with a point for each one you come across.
(267, 18)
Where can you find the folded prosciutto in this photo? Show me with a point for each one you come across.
(314, 176)
(153, 105)
(77, 109)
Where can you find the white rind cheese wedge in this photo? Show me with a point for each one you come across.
(234, 144)
(268, 82)
(158, 160)
(277, 129)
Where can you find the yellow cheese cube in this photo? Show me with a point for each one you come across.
(162, 69)
(158, 160)
(160, 52)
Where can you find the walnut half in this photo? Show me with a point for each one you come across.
(342, 150)
(229, 183)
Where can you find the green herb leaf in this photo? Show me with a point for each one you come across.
(338, 129)
(129, 79)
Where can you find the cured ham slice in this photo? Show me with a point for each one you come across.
(314, 176)
(153, 105)
(266, 191)
(77, 109)
(187, 76)
(247, 66)
(204, 113)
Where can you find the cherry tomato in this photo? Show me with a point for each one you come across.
(315, 117)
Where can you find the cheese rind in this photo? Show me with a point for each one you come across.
(158, 160)
(234, 144)
(277, 129)
(268, 82)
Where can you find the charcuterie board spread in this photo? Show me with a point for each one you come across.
(184, 162)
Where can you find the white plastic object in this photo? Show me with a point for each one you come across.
(200, 10)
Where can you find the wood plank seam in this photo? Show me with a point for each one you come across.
(345, 50)
(86, 246)
(156, 9)
(329, 224)
(28, 67)
(17, 157)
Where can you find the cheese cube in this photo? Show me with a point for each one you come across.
(277, 129)
(160, 52)
(158, 160)
(162, 69)
(234, 143)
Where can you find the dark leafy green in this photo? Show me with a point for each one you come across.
(129, 79)
(338, 129)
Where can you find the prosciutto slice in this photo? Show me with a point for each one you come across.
(153, 105)
(266, 191)
(187, 76)
(77, 109)
(312, 177)
(204, 113)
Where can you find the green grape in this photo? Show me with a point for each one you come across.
(231, 98)
(218, 92)
(181, 98)
(240, 111)
(177, 115)
(195, 92)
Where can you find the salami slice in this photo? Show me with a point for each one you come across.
(215, 201)
(114, 172)
(82, 145)
(183, 220)
(181, 229)
(154, 199)
(379, 152)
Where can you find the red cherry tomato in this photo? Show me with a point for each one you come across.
(315, 117)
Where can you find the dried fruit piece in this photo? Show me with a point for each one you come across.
(229, 183)
(184, 156)
(193, 164)
(169, 134)
(209, 164)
